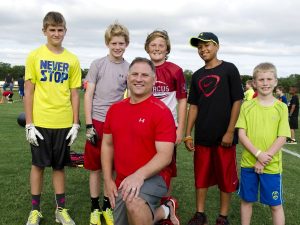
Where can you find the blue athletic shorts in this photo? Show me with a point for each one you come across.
(269, 185)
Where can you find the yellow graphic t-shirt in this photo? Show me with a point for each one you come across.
(53, 75)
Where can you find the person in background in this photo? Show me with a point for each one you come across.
(263, 129)
(279, 90)
(21, 83)
(8, 82)
(249, 93)
(52, 79)
(7, 96)
(293, 107)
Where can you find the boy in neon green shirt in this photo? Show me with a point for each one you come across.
(263, 128)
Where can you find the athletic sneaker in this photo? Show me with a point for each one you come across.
(198, 219)
(172, 204)
(62, 216)
(95, 217)
(291, 141)
(34, 218)
(166, 198)
(222, 221)
(108, 216)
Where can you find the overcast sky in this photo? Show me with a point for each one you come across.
(249, 31)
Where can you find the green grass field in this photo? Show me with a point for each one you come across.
(15, 162)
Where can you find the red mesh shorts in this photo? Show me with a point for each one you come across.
(92, 154)
(216, 165)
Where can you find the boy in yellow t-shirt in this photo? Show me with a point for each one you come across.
(263, 129)
(52, 79)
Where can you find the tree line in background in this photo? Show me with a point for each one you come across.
(19, 70)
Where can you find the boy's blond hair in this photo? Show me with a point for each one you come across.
(155, 34)
(116, 29)
(54, 19)
(263, 67)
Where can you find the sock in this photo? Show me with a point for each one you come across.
(106, 203)
(200, 213)
(225, 217)
(95, 204)
(60, 200)
(35, 202)
(166, 210)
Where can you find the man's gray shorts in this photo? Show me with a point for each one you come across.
(152, 191)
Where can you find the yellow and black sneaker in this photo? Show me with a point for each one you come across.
(108, 216)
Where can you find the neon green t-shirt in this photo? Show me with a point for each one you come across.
(263, 124)
(53, 75)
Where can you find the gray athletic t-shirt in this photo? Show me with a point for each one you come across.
(110, 80)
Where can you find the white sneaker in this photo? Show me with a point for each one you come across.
(62, 216)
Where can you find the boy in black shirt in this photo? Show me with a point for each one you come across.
(215, 98)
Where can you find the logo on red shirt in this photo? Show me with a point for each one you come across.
(142, 120)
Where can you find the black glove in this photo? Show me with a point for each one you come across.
(91, 134)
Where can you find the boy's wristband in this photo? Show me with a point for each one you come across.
(257, 153)
(187, 138)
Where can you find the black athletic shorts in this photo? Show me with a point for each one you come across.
(293, 120)
(53, 150)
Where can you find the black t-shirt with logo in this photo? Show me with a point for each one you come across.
(214, 91)
(294, 101)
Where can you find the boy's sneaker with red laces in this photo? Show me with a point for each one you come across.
(198, 219)
(222, 221)
(172, 204)
(167, 198)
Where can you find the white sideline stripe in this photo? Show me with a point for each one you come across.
(290, 152)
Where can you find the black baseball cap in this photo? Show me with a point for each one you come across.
(204, 37)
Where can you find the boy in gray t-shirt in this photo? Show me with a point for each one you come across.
(106, 84)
